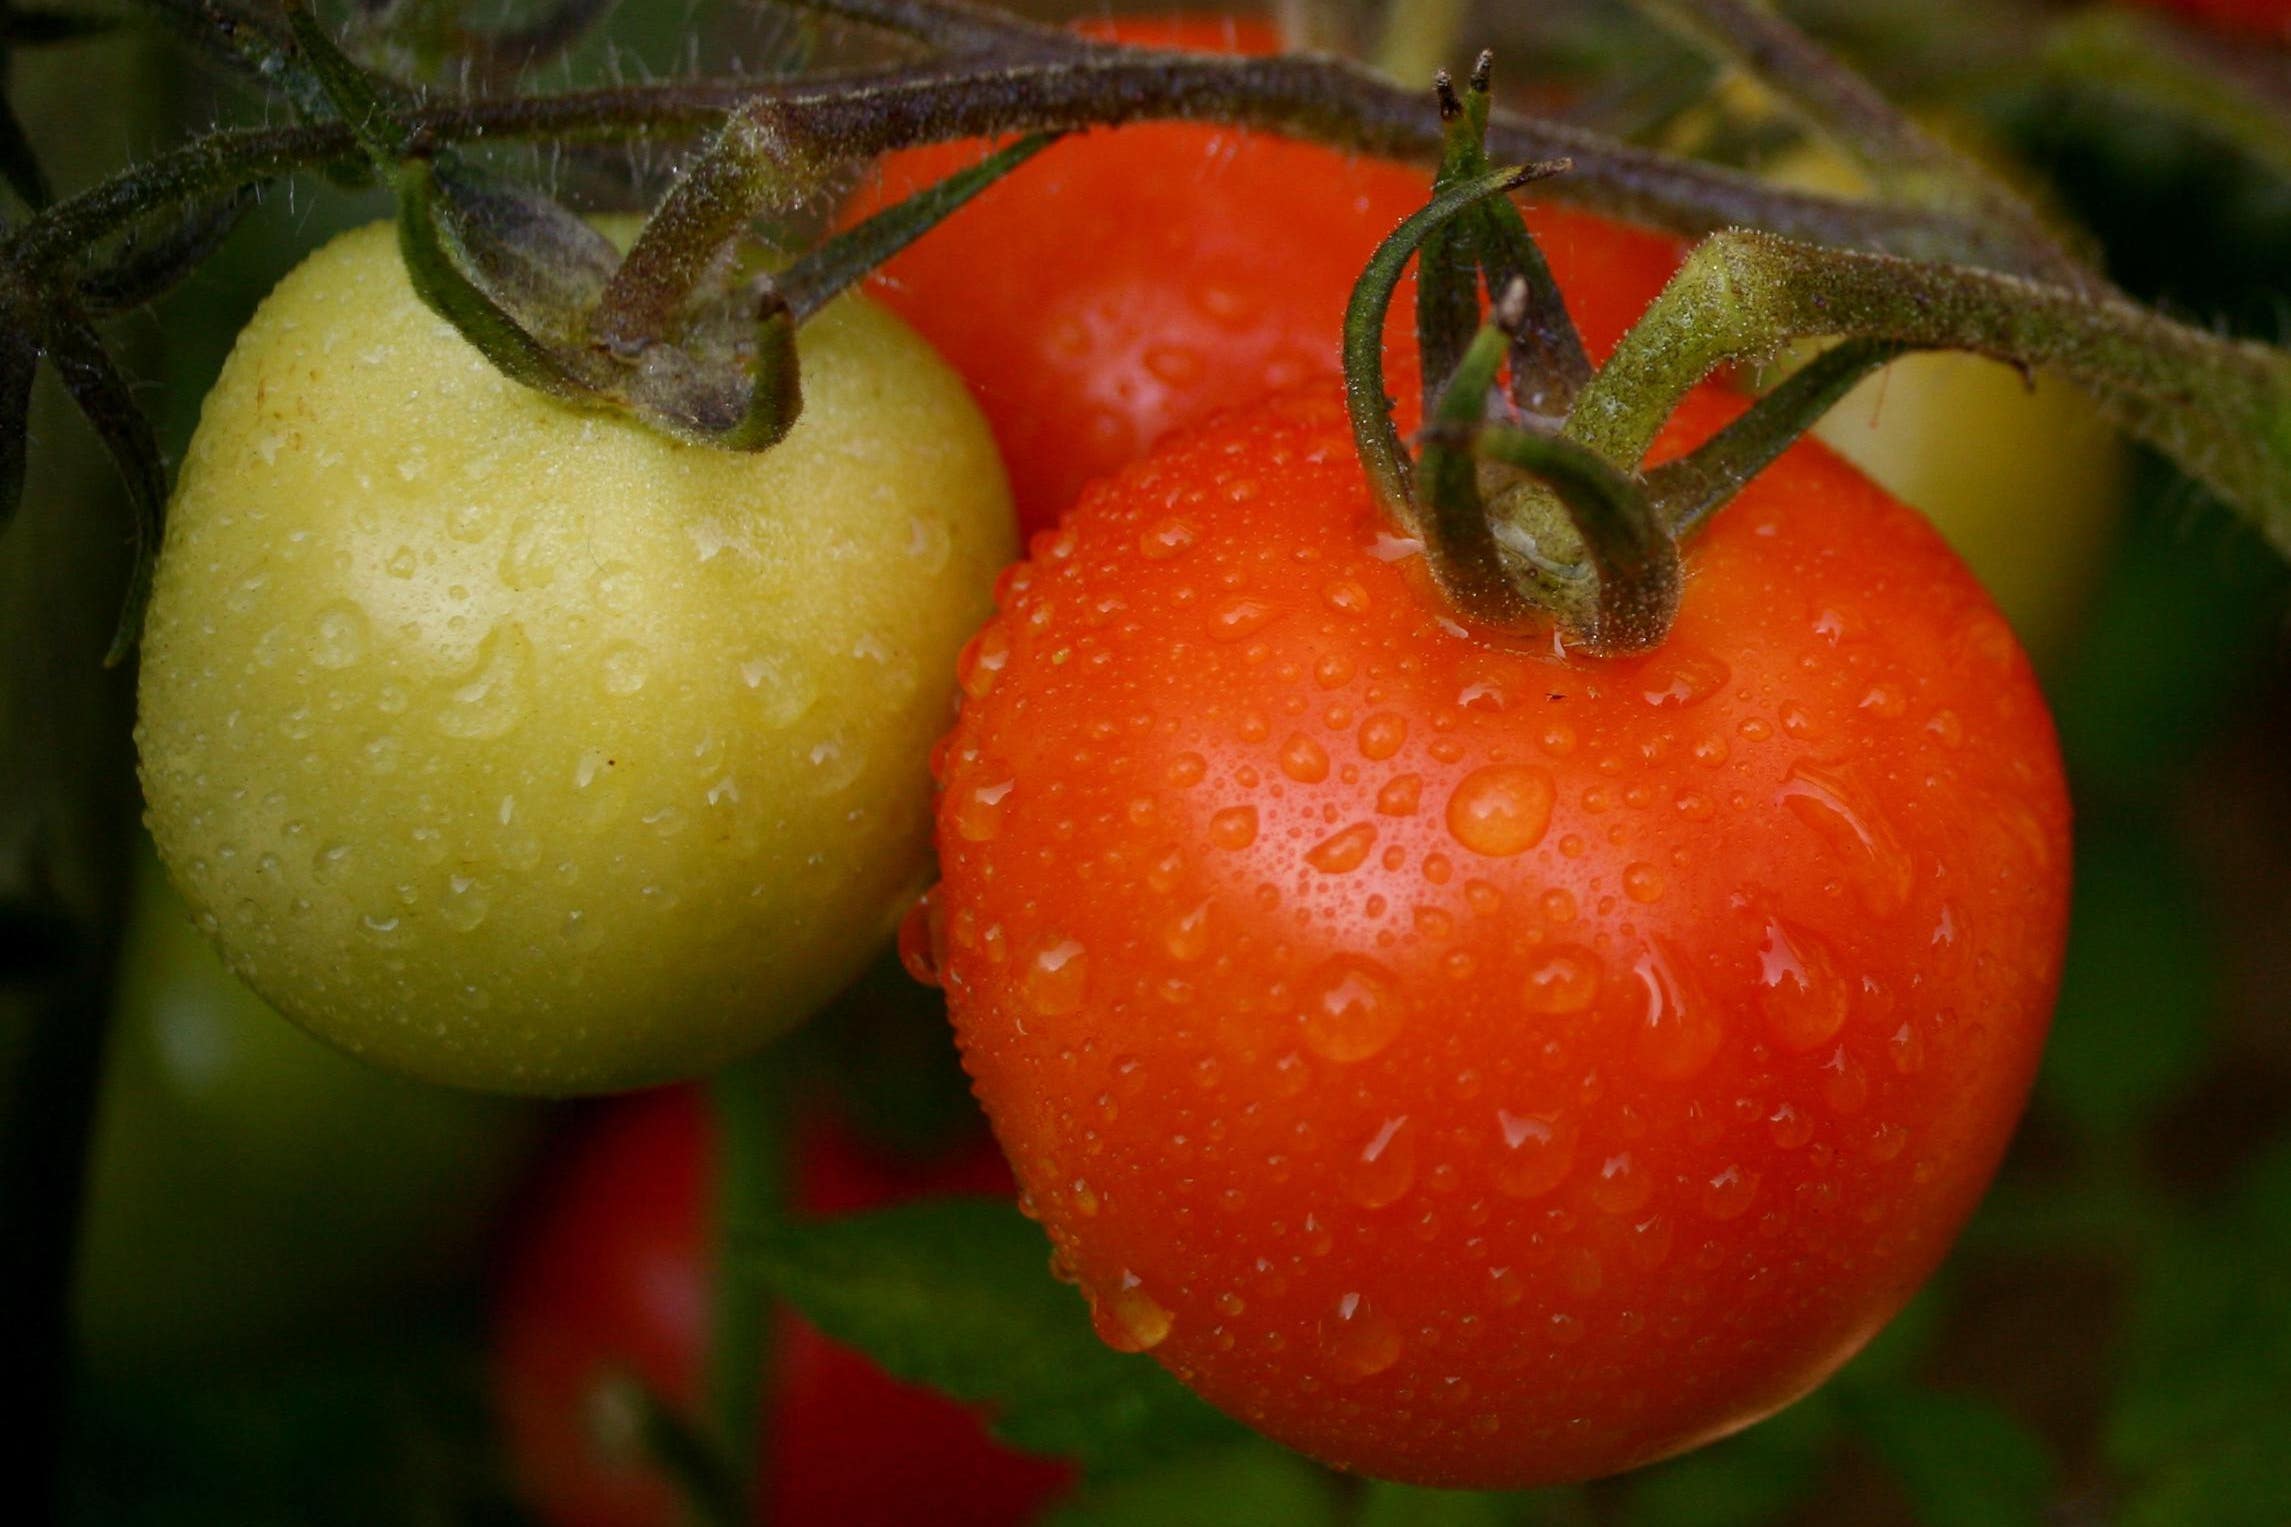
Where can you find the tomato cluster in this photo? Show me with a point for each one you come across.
(1467, 1061)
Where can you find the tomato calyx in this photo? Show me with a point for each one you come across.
(1525, 524)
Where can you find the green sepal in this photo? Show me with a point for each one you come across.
(137, 272)
(104, 397)
(1689, 489)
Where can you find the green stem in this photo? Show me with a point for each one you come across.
(750, 1110)
(864, 113)
(2156, 67)
(1910, 166)
(1688, 490)
(2220, 408)
(1367, 400)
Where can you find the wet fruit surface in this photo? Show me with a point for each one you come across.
(523, 748)
(1468, 1063)
(1173, 270)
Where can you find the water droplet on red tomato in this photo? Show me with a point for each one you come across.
(1056, 980)
(1234, 828)
(1622, 1185)
(1127, 1319)
(1833, 804)
(1341, 853)
(1800, 991)
(1501, 810)
(977, 810)
(1538, 1153)
(1682, 676)
(922, 941)
(1304, 760)
(1352, 1008)
(1678, 1032)
(1564, 979)
(1386, 1167)
(1360, 1340)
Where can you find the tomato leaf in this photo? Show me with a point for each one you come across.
(1244, 1485)
(1963, 1459)
(956, 1294)
(1746, 1480)
(2133, 1029)
(103, 396)
(1388, 1505)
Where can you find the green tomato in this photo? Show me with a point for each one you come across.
(247, 1181)
(521, 748)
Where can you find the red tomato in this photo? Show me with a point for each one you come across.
(1127, 283)
(610, 1277)
(1477, 1064)
(2269, 17)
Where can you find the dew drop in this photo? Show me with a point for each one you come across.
(1240, 618)
(1565, 979)
(1803, 997)
(1187, 770)
(1501, 810)
(1789, 1126)
(1729, 1194)
(1304, 760)
(1678, 1034)
(981, 661)
(1382, 735)
(1346, 596)
(1833, 805)
(622, 668)
(1539, 1153)
(1127, 1319)
(1234, 828)
(1342, 852)
(338, 635)
(1622, 1185)
(1400, 795)
(1386, 1168)
(488, 698)
(1056, 979)
(977, 811)
(1352, 1008)
(922, 941)
(1683, 677)
(1186, 937)
(1361, 1341)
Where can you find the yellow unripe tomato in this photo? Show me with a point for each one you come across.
(2024, 477)
(523, 748)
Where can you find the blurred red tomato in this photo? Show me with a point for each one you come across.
(611, 1278)
(2269, 17)
(1127, 283)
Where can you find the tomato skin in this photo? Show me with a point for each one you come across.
(1474, 1066)
(611, 1275)
(1173, 270)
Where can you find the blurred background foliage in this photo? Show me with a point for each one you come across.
(281, 1307)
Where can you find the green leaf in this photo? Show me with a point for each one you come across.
(2133, 1028)
(1384, 1505)
(1745, 1481)
(1963, 1459)
(1248, 1484)
(103, 396)
(957, 1294)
